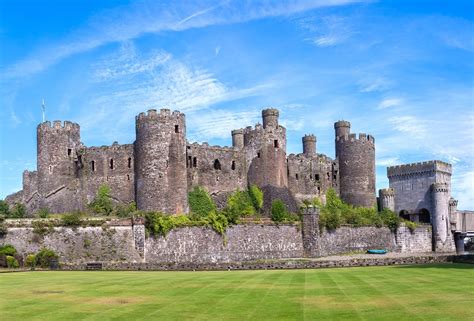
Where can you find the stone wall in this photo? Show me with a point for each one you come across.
(241, 243)
(349, 239)
(418, 241)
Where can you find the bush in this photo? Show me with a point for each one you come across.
(411, 225)
(390, 219)
(43, 213)
(71, 219)
(330, 220)
(45, 257)
(238, 204)
(102, 203)
(157, 223)
(18, 211)
(12, 263)
(200, 202)
(41, 228)
(126, 210)
(4, 209)
(256, 195)
(279, 211)
(7, 249)
(217, 221)
(30, 261)
(3, 230)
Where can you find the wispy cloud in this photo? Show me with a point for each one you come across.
(374, 84)
(389, 102)
(327, 31)
(411, 125)
(149, 16)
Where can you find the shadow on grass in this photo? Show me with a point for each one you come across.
(457, 266)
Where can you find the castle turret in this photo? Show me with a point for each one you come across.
(309, 145)
(387, 199)
(160, 162)
(356, 165)
(238, 138)
(442, 236)
(270, 118)
(453, 212)
(57, 160)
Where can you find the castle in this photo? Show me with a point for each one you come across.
(159, 169)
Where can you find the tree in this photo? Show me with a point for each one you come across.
(102, 203)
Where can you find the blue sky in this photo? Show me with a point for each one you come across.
(399, 70)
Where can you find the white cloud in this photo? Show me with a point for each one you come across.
(149, 16)
(374, 85)
(389, 161)
(390, 102)
(327, 31)
(463, 187)
(411, 125)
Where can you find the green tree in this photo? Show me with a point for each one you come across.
(102, 203)
(279, 211)
(4, 208)
(239, 204)
(256, 195)
(200, 202)
(18, 211)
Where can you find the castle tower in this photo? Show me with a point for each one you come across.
(453, 212)
(270, 117)
(356, 164)
(238, 138)
(387, 199)
(309, 145)
(442, 236)
(265, 150)
(160, 162)
(57, 160)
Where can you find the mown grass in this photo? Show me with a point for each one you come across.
(430, 292)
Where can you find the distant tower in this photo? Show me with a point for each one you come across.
(442, 237)
(238, 138)
(356, 164)
(57, 160)
(309, 145)
(160, 162)
(265, 150)
(387, 199)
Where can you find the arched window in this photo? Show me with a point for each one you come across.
(233, 165)
(93, 166)
(424, 216)
(275, 143)
(194, 162)
(217, 165)
(111, 163)
(129, 162)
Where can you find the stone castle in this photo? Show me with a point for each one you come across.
(159, 169)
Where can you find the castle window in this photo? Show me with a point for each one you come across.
(111, 163)
(316, 177)
(50, 169)
(93, 166)
(275, 143)
(194, 162)
(296, 176)
(189, 162)
(217, 165)
(129, 162)
(233, 165)
(69, 152)
(128, 177)
(319, 190)
(329, 175)
(176, 128)
(258, 155)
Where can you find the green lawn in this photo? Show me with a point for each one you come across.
(430, 292)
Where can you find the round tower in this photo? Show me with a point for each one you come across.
(387, 199)
(238, 138)
(160, 162)
(309, 145)
(356, 157)
(442, 237)
(270, 118)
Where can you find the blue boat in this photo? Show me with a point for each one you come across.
(376, 251)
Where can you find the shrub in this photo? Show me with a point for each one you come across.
(279, 211)
(7, 249)
(4, 208)
(45, 257)
(390, 219)
(3, 230)
(102, 203)
(238, 204)
(12, 263)
(256, 195)
(41, 228)
(200, 202)
(43, 213)
(217, 221)
(411, 225)
(71, 219)
(30, 261)
(157, 223)
(18, 211)
(330, 220)
(126, 210)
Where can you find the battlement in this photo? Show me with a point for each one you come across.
(342, 123)
(439, 188)
(239, 131)
(163, 114)
(353, 138)
(57, 124)
(270, 112)
(419, 168)
(302, 156)
(309, 138)
(205, 145)
(387, 192)
(114, 147)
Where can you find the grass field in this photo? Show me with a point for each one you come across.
(430, 292)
